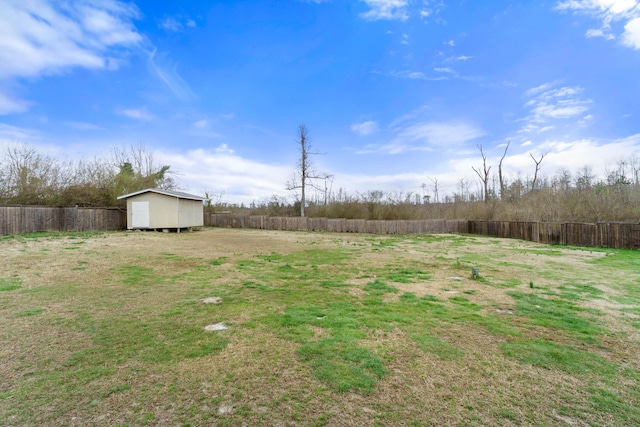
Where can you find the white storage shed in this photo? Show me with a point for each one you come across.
(155, 209)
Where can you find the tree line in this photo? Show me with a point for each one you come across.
(30, 177)
(566, 196)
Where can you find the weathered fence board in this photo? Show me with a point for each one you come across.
(31, 219)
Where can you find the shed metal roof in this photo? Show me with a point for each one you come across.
(177, 194)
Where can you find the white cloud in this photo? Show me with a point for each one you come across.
(444, 70)
(631, 35)
(429, 135)
(17, 134)
(536, 90)
(607, 12)
(385, 9)
(201, 124)
(459, 58)
(241, 180)
(365, 128)
(599, 32)
(548, 104)
(176, 24)
(170, 24)
(136, 113)
(578, 153)
(46, 37)
(202, 128)
(10, 105)
(407, 74)
(418, 75)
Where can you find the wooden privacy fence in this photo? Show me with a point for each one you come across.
(337, 225)
(602, 234)
(30, 219)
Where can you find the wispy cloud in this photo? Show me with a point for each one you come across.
(41, 37)
(176, 23)
(170, 24)
(52, 37)
(417, 75)
(17, 134)
(201, 124)
(607, 12)
(203, 128)
(408, 74)
(386, 9)
(548, 104)
(136, 113)
(167, 72)
(83, 126)
(427, 135)
(411, 133)
(366, 128)
(11, 105)
(462, 58)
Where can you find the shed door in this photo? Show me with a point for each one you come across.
(140, 214)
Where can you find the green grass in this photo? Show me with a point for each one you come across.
(559, 315)
(10, 284)
(550, 355)
(30, 312)
(343, 365)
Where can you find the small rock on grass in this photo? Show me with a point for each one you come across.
(225, 409)
(211, 300)
(216, 327)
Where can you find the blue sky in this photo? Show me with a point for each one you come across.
(394, 93)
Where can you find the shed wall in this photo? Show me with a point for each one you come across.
(167, 211)
(191, 213)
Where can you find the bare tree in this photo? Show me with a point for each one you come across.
(31, 177)
(500, 176)
(137, 170)
(484, 176)
(434, 181)
(535, 175)
(304, 175)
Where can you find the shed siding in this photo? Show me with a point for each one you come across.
(191, 213)
(167, 211)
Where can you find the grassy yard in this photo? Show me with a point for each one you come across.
(323, 329)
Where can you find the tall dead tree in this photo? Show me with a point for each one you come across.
(500, 176)
(483, 174)
(435, 189)
(304, 175)
(535, 175)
